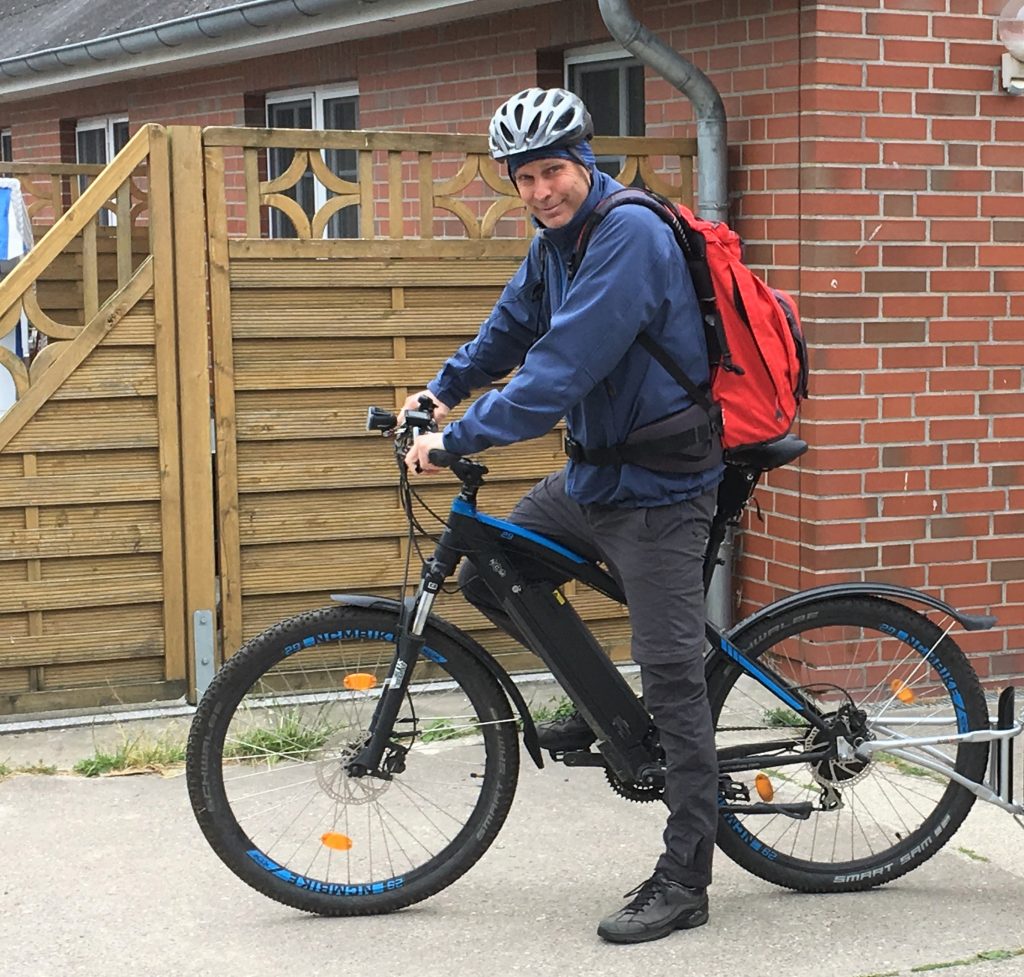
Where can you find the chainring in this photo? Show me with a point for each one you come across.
(632, 791)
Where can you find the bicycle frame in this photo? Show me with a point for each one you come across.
(556, 634)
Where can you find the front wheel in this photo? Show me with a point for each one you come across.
(267, 757)
(889, 674)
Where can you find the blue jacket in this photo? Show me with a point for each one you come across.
(576, 347)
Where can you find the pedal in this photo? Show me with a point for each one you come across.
(732, 790)
(577, 758)
(799, 812)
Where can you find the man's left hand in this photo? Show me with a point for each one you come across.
(421, 447)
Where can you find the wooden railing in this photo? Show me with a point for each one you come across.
(409, 187)
(51, 188)
(78, 230)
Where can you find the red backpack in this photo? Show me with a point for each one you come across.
(755, 343)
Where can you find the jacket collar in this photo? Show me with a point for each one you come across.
(564, 238)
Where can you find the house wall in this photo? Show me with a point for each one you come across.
(876, 171)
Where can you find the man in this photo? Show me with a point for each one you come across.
(575, 343)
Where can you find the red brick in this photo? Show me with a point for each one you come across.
(911, 455)
(959, 429)
(947, 551)
(894, 432)
(941, 479)
(943, 574)
(910, 505)
(950, 205)
(961, 281)
(910, 480)
(894, 529)
(892, 25)
(895, 382)
(919, 52)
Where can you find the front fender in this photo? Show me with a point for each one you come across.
(472, 647)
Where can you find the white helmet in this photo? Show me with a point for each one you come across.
(539, 118)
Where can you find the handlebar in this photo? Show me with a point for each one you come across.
(469, 472)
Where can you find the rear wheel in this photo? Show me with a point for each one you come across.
(267, 757)
(888, 673)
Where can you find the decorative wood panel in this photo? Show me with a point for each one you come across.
(308, 332)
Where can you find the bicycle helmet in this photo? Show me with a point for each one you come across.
(539, 118)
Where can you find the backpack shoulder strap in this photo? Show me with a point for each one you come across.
(697, 393)
(692, 246)
(631, 195)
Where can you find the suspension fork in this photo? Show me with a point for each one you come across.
(412, 622)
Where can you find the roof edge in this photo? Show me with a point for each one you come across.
(245, 30)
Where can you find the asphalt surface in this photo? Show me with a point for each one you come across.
(110, 876)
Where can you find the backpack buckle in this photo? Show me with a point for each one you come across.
(573, 449)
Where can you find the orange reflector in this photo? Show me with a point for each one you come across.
(336, 841)
(360, 681)
(902, 691)
(763, 786)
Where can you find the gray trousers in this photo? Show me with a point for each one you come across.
(656, 555)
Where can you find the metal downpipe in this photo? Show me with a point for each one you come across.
(712, 142)
(712, 191)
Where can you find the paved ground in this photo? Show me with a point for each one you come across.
(110, 876)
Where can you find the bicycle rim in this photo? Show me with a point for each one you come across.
(270, 760)
(871, 820)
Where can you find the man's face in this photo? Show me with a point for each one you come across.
(553, 189)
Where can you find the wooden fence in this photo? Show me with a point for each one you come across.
(118, 529)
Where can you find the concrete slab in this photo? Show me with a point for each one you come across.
(111, 876)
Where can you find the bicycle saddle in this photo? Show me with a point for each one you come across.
(765, 457)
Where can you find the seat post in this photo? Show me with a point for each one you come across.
(734, 491)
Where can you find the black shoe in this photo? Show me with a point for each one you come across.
(659, 906)
(571, 733)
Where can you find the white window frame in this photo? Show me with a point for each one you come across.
(594, 54)
(106, 123)
(7, 136)
(317, 96)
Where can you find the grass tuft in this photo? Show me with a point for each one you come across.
(288, 737)
(781, 716)
(136, 754)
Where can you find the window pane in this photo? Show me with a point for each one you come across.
(6, 146)
(599, 89)
(342, 113)
(613, 91)
(92, 145)
(636, 123)
(119, 134)
(295, 114)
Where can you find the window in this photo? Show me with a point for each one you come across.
(98, 141)
(335, 108)
(6, 146)
(612, 87)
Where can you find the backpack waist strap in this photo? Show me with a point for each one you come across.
(686, 442)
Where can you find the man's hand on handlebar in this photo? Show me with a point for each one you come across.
(416, 459)
(412, 402)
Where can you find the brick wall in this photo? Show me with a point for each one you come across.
(876, 170)
(911, 258)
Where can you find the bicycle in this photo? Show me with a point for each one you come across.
(359, 758)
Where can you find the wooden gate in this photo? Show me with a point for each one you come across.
(131, 559)
(309, 332)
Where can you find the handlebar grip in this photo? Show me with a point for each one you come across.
(441, 458)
